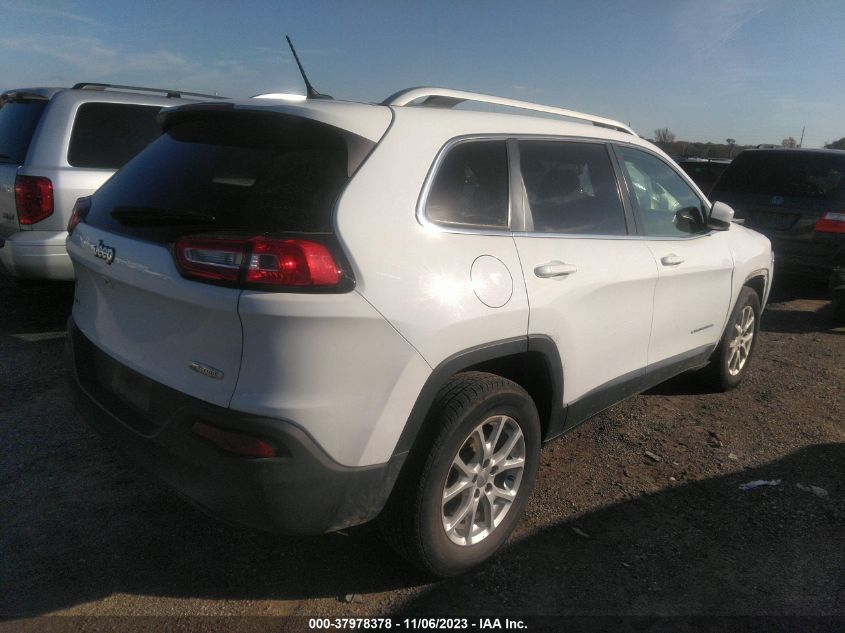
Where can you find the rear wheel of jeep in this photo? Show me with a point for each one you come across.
(468, 480)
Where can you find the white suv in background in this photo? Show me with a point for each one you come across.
(59, 144)
(304, 316)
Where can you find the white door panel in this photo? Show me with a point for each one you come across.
(693, 294)
(599, 315)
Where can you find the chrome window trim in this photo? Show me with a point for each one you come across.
(587, 236)
(422, 201)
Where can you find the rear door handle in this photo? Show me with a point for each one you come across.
(671, 260)
(555, 269)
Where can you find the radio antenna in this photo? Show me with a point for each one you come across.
(310, 93)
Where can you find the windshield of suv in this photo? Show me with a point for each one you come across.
(18, 120)
(229, 172)
(786, 173)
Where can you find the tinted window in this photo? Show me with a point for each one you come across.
(786, 173)
(571, 188)
(227, 172)
(471, 186)
(660, 194)
(18, 120)
(107, 135)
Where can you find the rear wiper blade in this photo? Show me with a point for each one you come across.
(150, 216)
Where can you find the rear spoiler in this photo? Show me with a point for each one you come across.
(21, 95)
(168, 117)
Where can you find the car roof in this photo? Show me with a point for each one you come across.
(368, 119)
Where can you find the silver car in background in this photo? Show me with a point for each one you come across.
(60, 144)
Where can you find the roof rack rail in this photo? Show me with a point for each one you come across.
(448, 98)
(171, 94)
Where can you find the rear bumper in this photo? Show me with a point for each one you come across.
(301, 491)
(36, 255)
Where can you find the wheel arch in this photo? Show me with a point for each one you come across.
(532, 362)
(758, 281)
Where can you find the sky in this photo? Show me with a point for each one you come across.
(756, 71)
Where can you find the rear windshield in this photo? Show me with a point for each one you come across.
(233, 173)
(18, 120)
(788, 174)
(107, 135)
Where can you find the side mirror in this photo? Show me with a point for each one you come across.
(721, 216)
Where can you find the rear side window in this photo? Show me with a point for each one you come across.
(107, 135)
(571, 188)
(18, 120)
(470, 189)
(228, 172)
(786, 173)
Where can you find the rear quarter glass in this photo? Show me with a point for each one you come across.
(230, 173)
(18, 120)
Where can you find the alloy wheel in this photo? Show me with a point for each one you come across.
(739, 348)
(484, 480)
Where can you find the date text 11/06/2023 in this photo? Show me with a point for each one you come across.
(431, 624)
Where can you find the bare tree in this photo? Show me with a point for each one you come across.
(664, 135)
(789, 142)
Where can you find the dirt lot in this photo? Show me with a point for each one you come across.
(608, 531)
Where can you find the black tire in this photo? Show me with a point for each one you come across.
(412, 521)
(719, 370)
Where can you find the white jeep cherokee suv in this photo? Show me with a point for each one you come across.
(303, 316)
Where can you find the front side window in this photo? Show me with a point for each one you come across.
(470, 189)
(571, 188)
(668, 205)
(107, 135)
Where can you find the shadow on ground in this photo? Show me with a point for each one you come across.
(35, 307)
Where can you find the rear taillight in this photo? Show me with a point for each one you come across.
(34, 198)
(831, 222)
(80, 211)
(269, 262)
(237, 443)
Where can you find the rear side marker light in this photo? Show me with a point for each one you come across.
(237, 443)
(33, 198)
(831, 222)
(257, 261)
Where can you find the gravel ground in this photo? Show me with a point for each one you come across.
(609, 530)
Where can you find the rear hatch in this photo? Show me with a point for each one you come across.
(784, 193)
(217, 177)
(20, 114)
